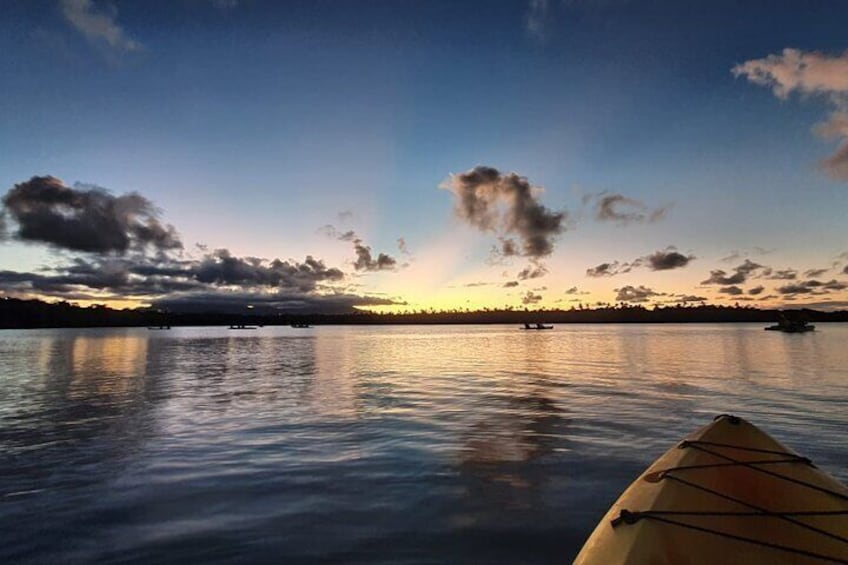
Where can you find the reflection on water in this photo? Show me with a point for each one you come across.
(385, 444)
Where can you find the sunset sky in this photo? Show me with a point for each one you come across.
(321, 154)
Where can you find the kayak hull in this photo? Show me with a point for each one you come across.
(721, 496)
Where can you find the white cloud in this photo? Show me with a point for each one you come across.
(99, 26)
(794, 70)
(809, 73)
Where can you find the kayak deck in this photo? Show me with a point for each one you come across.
(728, 493)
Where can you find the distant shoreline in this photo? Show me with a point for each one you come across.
(35, 314)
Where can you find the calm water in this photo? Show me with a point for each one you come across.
(374, 445)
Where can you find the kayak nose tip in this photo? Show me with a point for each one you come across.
(729, 417)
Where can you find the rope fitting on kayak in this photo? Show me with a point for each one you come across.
(626, 517)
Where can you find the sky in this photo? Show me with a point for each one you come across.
(319, 156)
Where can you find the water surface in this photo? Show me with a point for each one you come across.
(404, 444)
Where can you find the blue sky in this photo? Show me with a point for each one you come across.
(253, 125)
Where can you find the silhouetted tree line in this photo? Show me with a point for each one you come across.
(15, 313)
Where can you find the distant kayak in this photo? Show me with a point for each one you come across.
(791, 329)
(537, 327)
(728, 493)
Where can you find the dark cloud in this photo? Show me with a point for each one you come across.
(826, 305)
(740, 274)
(785, 274)
(143, 277)
(534, 271)
(262, 303)
(402, 246)
(835, 285)
(607, 269)
(222, 268)
(812, 287)
(731, 290)
(86, 219)
(510, 284)
(845, 270)
(799, 288)
(635, 294)
(508, 247)
(662, 260)
(575, 290)
(624, 210)
(531, 298)
(83, 280)
(364, 258)
(365, 262)
(120, 232)
(815, 272)
(756, 290)
(507, 204)
(668, 259)
(690, 298)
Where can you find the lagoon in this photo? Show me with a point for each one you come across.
(381, 444)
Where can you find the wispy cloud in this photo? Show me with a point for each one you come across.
(576, 291)
(533, 271)
(99, 25)
(225, 5)
(537, 19)
(623, 210)
(531, 298)
(683, 298)
(809, 73)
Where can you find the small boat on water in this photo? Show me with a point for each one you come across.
(728, 493)
(537, 327)
(791, 326)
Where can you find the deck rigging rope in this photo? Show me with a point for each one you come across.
(631, 517)
(697, 444)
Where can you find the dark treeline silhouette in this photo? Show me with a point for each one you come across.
(15, 313)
